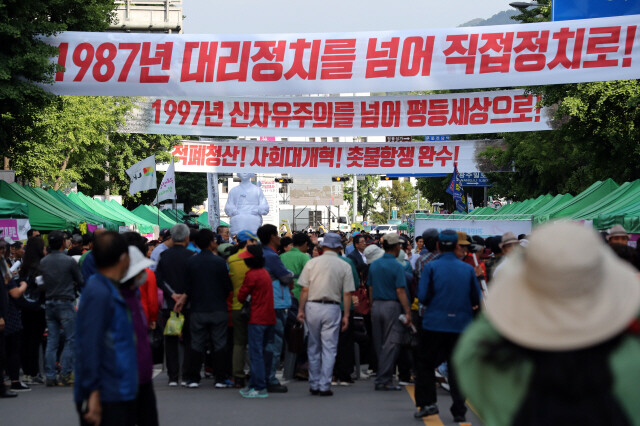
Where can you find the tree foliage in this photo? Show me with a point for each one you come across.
(596, 136)
(402, 195)
(75, 139)
(368, 195)
(191, 189)
(25, 59)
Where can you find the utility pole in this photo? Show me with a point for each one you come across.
(355, 199)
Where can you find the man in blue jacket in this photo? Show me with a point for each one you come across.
(106, 373)
(449, 290)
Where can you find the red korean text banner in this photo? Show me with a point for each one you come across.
(128, 64)
(456, 113)
(325, 158)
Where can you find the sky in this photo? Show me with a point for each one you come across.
(299, 16)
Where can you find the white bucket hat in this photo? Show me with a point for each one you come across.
(137, 263)
(555, 297)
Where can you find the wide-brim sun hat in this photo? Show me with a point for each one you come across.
(137, 263)
(554, 297)
(373, 253)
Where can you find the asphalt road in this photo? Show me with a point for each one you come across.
(358, 404)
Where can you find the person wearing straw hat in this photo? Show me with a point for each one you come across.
(450, 291)
(558, 343)
(618, 235)
(508, 244)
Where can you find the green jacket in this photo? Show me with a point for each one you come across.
(294, 260)
(497, 392)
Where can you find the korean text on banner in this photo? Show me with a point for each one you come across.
(325, 158)
(16, 229)
(143, 175)
(484, 228)
(167, 190)
(128, 64)
(452, 113)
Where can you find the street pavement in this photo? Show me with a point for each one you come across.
(357, 404)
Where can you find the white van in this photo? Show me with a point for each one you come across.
(385, 229)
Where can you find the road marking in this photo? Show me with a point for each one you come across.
(434, 420)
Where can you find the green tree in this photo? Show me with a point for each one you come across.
(75, 139)
(191, 189)
(402, 195)
(25, 59)
(368, 195)
(595, 137)
(68, 140)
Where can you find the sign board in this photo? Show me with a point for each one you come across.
(437, 138)
(314, 191)
(16, 229)
(270, 191)
(474, 179)
(564, 10)
(484, 228)
(205, 65)
(326, 158)
(397, 138)
(393, 116)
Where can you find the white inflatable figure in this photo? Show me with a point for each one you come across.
(246, 205)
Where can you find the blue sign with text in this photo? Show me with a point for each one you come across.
(437, 138)
(564, 10)
(474, 179)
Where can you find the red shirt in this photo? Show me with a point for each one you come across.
(149, 296)
(257, 283)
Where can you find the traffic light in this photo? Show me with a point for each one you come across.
(284, 180)
(339, 178)
(388, 178)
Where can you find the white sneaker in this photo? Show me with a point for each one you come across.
(173, 384)
(183, 384)
(193, 385)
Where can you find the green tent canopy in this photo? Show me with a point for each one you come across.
(13, 209)
(153, 215)
(589, 196)
(203, 220)
(114, 212)
(89, 214)
(144, 226)
(42, 215)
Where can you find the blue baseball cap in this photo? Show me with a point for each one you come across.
(448, 237)
(245, 236)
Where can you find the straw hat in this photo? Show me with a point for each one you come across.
(553, 297)
(508, 238)
(618, 231)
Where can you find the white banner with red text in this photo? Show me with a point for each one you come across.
(454, 113)
(134, 64)
(333, 158)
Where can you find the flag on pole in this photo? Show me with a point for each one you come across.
(167, 190)
(143, 175)
(455, 189)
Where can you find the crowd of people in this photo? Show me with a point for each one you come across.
(539, 312)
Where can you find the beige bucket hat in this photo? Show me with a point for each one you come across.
(555, 297)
